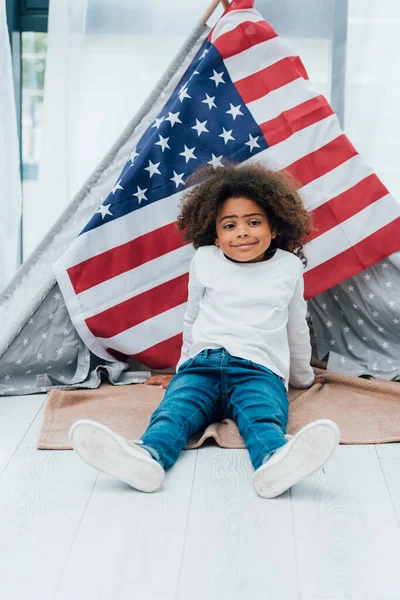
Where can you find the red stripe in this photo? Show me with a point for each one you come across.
(142, 307)
(322, 161)
(125, 257)
(281, 73)
(244, 36)
(347, 204)
(295, 119)
(369, 251)
(163, 355)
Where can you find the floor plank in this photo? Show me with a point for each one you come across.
(16, 416)
(43, 495)
(238, 545)
(391, 472)
(347, 535)
(388, 450)
(130, 544)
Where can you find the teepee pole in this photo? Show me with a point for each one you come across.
(211, 9)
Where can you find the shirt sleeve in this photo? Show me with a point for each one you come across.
(195, 294)
(301, 374)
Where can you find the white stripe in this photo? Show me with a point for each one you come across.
(231, 20)
(122, 230)
(335, 182)
(257, 58)
(284, 98)
(352, 231)
(148, 333)
(137, 281)
(297, 146)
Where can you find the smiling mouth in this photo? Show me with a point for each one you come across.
(245, 245)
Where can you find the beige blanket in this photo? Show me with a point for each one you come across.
(367, 411)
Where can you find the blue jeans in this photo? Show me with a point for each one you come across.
(213, 386)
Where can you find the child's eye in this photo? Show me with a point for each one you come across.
(229, 226)
(255, 222)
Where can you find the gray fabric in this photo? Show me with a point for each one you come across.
(357, 323)
(51, 357)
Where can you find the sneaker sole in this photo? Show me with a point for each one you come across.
(109, 452)
(310, 449)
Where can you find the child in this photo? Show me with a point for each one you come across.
(245, 337)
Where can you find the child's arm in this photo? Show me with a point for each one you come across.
(301, 373)
(196, 292)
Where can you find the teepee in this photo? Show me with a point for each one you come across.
(46, 338)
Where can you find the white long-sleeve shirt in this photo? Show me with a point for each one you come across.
(255, 311)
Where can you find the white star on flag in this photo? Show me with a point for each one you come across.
(140, 194)
(116, 187)
(226, 135)
(234, 111)
(158, 122)
(183, 93)
(178, 179)
(43, 336)
(252, 143)
(104, 210)
(57, 296)
(209, 100)
(133, 155)
(173, 118)
(217, 78)
(188, 153)
(216, 161)
(163, 142)
(200, 127)
(153, 169)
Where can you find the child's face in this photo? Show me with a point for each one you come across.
(243, 230)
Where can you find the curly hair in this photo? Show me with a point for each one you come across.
(275, 193)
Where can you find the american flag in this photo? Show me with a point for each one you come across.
(246, 96)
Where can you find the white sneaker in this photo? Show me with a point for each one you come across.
(303, 454)
(111, 453)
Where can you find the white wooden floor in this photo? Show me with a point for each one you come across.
(68, 533)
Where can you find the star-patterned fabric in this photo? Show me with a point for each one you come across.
(357, 323)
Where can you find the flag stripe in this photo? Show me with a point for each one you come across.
(352, 231)
(139, 280)
(243, 38)
(295, 119)
(353, 260)
(231, 21)
(273, 104)
(148, 333)
(256, 86)
(125, 257)
(163, 355)
(347, 204)
(127, 314)
(120, 231)
(321, 161)
(248, 61)
(333, 183)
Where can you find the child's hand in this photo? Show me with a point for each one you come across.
(161, 380)
(319, 379)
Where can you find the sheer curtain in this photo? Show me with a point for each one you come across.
(10, 185)
(104, 57)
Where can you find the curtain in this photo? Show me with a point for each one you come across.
(10, 185)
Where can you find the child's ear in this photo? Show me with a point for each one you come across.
(217, 242)
(273, 234)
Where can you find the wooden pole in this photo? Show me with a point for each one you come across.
(211, 8)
